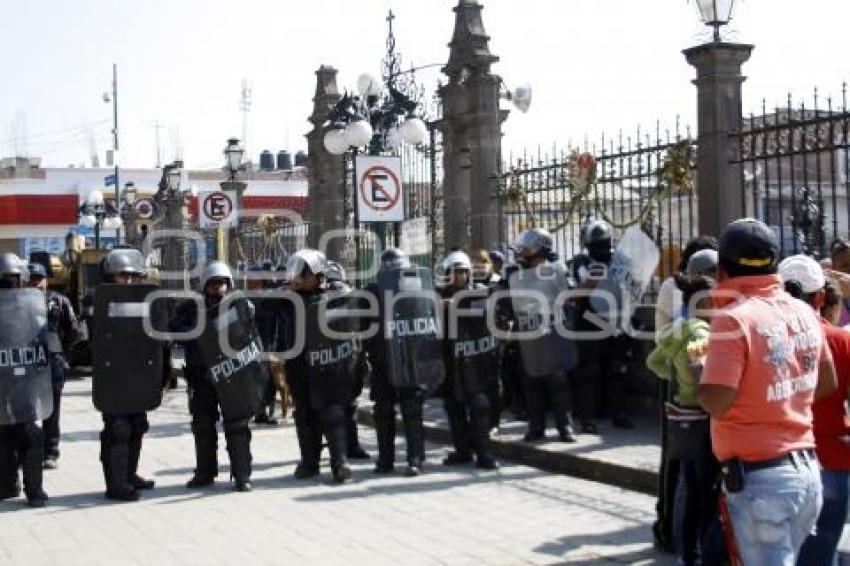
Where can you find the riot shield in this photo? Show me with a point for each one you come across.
(474, 354)
(544, 350)
(127, 364)
(630, 272)
(329, 350)
(230, 348)
(410, 326)
(26, 394)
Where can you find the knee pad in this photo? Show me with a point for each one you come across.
(118, 430)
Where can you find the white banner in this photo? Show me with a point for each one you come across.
(379, 189)
(217, 207)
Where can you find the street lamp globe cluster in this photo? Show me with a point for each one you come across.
(96, 212)
(373, 118)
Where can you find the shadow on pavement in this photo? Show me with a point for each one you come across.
(606, 548)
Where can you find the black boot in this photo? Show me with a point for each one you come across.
(336, 431)
(135, 480)
(414, 432)
(10, 485)
(115, 451)
(309, 441)
(459, 432)
(354, 450)
(480, 413)
(238, 437)
(32, 458)
(206, 453)
(385, 431)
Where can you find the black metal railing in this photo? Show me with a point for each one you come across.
(794, 165)
(644, 180)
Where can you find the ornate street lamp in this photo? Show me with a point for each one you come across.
(233, 152)
(96, 213)
(715, 14)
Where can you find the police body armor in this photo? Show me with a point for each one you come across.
(329, 361)
(475, 367)
(231, 348)
(410, 326)
(25, 386)
(127, 364)
(545, 348)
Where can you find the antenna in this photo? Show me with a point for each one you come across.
(157, 126)
(19, 134)
(245, 108)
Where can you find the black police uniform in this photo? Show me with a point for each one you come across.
(63, 330)
(468, 399)
(321, 394)
(385, 395)
(603, 361)
(204, 408)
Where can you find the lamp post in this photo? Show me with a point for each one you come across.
(378, 118)
(96, 213)
(233, 154)
(113, 98)
(718, 80)
(715, 14)
(171, 197)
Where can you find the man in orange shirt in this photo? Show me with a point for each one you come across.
(767, 362)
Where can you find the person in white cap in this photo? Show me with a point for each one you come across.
(804, 279)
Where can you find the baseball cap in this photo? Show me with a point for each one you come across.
(805, 271)
(702, 262)
(749, 243)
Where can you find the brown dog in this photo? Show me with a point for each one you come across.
(279, 379)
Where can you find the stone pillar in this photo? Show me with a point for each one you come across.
(718, 83)
(326, 183)
(472, 137)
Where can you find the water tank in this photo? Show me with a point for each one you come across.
(284, 160)
(301, 159)
(266, 161)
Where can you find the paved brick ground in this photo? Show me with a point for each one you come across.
(516, 516)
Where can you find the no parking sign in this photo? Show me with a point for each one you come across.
(217, 208)
(379, 189)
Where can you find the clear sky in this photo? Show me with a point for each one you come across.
(595, 66)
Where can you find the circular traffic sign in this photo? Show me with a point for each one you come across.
(380, 188)
(144, 208)
(217, 206)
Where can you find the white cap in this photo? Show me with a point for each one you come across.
(805, 271)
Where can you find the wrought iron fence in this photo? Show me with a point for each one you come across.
(794, 172)
(628, 180)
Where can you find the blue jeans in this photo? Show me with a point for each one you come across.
(776, 511)
(819, 548)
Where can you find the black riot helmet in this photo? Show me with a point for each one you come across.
(394, 258)
(596, 238)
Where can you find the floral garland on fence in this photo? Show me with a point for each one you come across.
(675, 175)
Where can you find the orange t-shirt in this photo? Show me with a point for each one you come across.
(768, 346)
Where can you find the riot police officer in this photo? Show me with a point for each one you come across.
(258, 278)
(471, 364)
(22, 319)
(123, 429)
(547, 355)
(321, 375)
(335, 280)
(216, 385)
(406, 358)
(601, 360)
(62, 332)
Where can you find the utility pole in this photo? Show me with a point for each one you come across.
(115, 141)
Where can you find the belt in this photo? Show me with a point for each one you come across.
(793, 457)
